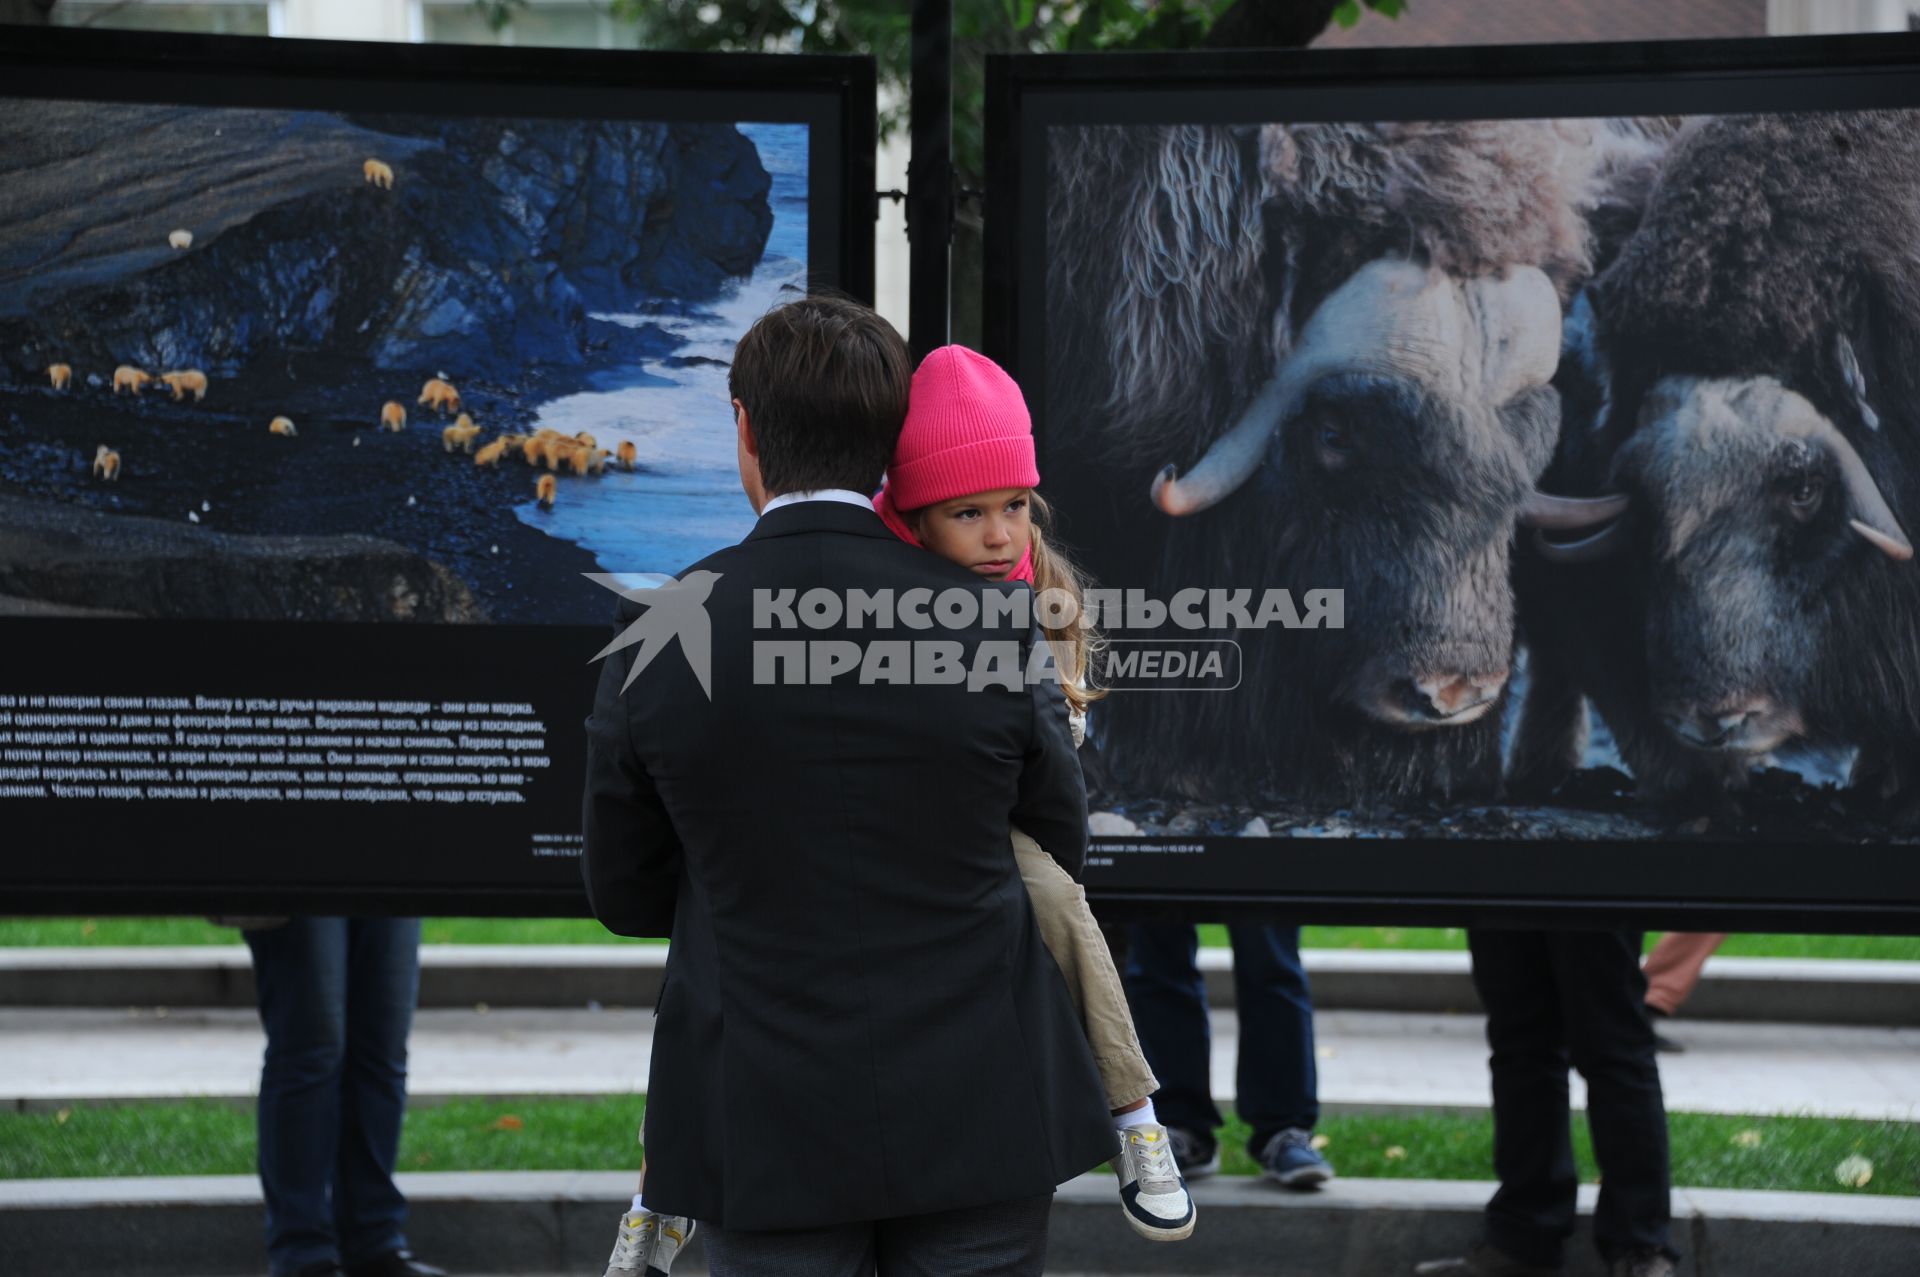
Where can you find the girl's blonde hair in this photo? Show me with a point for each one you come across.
(1076, 643)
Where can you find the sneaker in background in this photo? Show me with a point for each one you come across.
(1195, 1155)
(1291, 1159)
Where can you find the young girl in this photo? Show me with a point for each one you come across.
(961, 485)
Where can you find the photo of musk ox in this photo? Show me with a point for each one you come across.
(1321, 356)
(1745, 378)
(1609, 421)
(287, 364)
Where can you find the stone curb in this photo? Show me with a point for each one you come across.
(563, 1222)
(1772, 990)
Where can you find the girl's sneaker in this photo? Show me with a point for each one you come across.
(648, 1244)
(1152, 1192)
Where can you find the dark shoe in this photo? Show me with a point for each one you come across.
(325, 1268)
(1195, 1155)
(398, 1263)
(1642, 1263)
(1482, 1260)
(1291, 1159)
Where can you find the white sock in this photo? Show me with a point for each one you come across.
(638, 1208)
(1142, 1116)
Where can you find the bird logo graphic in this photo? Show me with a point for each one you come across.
(675, 609)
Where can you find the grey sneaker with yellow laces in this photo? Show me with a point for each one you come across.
(1152, 1192)
(648, 1244)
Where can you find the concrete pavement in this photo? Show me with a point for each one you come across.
(1772, 990)
(562, 1222)
(1369, 1060)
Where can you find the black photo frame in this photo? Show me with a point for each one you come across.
(196, 857)
(1673, 882)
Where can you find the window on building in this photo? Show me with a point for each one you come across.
(218, 17)
(553, 23)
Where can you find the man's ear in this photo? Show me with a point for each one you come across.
(745, 427)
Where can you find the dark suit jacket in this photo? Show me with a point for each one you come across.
(859, 1020)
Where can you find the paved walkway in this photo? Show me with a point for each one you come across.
(1368, 1060)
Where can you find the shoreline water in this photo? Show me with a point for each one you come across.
(684, 501)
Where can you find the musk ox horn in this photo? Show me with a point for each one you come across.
(1602, 544)
(1569, 514)
(1869, 514)
(1231, 460)
(1477, 342)
(1894, 547)
(1794, 417)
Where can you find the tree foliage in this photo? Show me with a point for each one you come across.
(884, 29)
(26, 12)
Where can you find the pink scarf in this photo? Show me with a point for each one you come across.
(883, 506)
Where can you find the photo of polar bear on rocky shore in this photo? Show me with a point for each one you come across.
(285, 364)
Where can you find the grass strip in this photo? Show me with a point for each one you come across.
(84, 932)
(1796, 1154)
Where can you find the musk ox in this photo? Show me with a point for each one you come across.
(1320, 356)
(1747, 376)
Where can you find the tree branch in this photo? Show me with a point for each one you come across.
(1271, 24)
(27, 13)
(94, 19)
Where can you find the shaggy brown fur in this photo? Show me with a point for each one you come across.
(1156, 234)
(1202, 249)
(1772, 234)
(1468, 196)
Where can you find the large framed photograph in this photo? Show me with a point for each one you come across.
(337, 385)
(1502, 467)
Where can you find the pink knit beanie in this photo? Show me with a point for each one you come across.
(967, 431)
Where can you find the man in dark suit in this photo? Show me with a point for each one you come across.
(864, 1055)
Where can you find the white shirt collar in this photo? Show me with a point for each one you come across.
(842, 495)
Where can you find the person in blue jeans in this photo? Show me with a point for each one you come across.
(1278, 1086)
(336, 999)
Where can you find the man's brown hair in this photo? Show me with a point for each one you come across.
(824, 382)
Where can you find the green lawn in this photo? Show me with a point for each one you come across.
(1783, 1153)
(122, 931)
